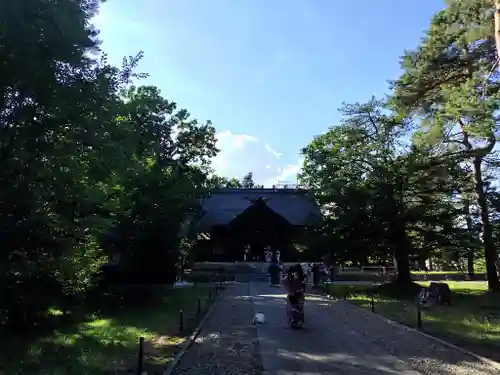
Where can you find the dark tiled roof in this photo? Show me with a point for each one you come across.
(223, 205)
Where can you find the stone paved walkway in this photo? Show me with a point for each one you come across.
(338, 338)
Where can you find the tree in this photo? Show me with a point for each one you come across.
(165, 182)
(233, 183)
(51, 190)
(450, 84)
(247, 181)
(215, 181)
(91, 165)
(382, 200)
(351, 169)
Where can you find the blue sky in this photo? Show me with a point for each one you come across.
(269, 74)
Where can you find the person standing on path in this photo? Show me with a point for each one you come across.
(316, 274)
(274, 271)
(306, 269)
(332, 273)
(294, 283)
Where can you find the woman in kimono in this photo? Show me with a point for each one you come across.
(294, 283)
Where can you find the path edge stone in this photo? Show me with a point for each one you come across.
(192, 338)
(484, 360)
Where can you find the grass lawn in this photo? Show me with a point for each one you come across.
(108, 344)
(437, 273)
(377, 271)
(375, 275)
(207, 276)
(472, 321)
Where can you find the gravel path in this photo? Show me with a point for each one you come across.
(422, 353)
(228, 342)
(340, 338)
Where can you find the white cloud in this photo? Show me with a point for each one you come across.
(287, 174)
(243, 153)
(230, 145)
(273, 151)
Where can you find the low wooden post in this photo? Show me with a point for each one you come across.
(140, 359)
(181, 321)
(419, 318)
(373, 302)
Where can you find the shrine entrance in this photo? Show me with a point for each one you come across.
(242, 224)
(256, 230)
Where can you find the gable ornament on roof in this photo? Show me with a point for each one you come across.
(253, 200)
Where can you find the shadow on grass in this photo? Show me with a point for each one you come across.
(106, 341)
(471, 322)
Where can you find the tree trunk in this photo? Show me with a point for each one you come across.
(497, 26)
(402, 265)
(490, 254)
(401, 246)
(399, 238)
(421, 264)
(470, 263)
(470, 250)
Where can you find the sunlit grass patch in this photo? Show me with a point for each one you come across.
(109, 342)
(437, 273)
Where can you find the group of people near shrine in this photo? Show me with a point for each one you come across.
(319, 272)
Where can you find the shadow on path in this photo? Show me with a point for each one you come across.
(339, 338)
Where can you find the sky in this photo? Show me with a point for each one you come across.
(269, 74)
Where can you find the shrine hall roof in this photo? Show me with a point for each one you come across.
(223, 205)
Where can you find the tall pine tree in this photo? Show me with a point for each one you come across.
(450, 83)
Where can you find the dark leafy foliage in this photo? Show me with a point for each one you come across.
(92, 166)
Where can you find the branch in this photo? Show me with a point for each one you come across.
(465, 135)
(480, 151)
(372, 121)
(453, 141)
